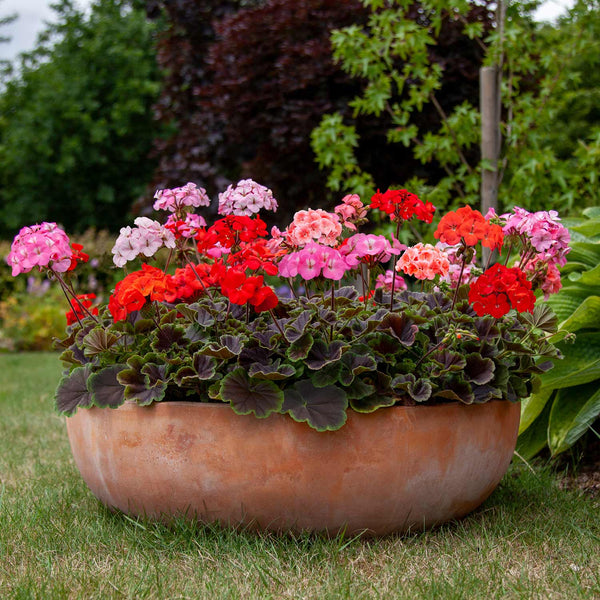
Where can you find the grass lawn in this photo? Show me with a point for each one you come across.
(529, 540)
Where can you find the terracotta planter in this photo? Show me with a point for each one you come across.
(395, 469)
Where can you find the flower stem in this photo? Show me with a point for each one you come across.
(394, 269)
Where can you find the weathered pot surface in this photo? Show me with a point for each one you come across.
(397, 469)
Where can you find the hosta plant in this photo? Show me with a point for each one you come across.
(312, 321)
(568, 401)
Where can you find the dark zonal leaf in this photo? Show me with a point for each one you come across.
(328, 316)
(168, 336)
(247, 395)
(106, 390)
(273, 370)
(195, 333)
(455, 388)
(203, 369)
(347, 291)
(299, 349)
(355, 362)
(97, 341)
(385, 346)
(516, 388)
(73, 357)
(266, 339)
(324, 409)
(143, 325)
(359, 389)
(328, 375)
(322, 353)
(486, 328)
(228, 346)
(372, 403)
(72, 391)
(296, 328)
(204, 318)
(446, 361)
(420, 390)
(485, 393)
(400, 327)
(401, 383)
(479, 370)
(543, 318)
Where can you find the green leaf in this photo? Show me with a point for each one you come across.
(543, 317)
(572, 413)
(247, 395)
(72, 391)
(324, 409)
(586, 315)
(535, 437)
(581, 363)
(532, 407)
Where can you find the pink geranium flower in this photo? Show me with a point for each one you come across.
(314, 226)
(176, 199)
(247, 198)
(43, 245)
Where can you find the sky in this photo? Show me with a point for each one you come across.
(33, 14)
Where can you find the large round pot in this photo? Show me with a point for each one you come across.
(396, 469)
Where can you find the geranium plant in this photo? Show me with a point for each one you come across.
(311, 321)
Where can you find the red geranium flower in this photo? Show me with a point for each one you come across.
(499, 289)
(78, 308)
(136, 289)
(77, 256)
(402, 205)
(469, 226)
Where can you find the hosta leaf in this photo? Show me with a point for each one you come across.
(567, 302)
(573, 411)
(246, 395)
(535, 437)
(106, 390)
(585, 252)
(587, 314)
(532, 407)
(72, 391)
(324, 409)
(581, 363)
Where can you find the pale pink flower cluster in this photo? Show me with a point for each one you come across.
(386, 281)
(314, 226)
(456, 262)
(312, 261)
(186, 228)
(147, 238)
(547, 274)
(370, 249)
(176, 199)
(351, 211)
(548, 237)
(423, 261)
(246, 199)
(43, 245)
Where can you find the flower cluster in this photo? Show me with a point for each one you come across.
(499, 289)
(314, 226)
(469, 227)
(178, 199)
(366, 322)
(247, 198)
(43, 245)
(424, 261)
(146, 238)
(402, 205)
